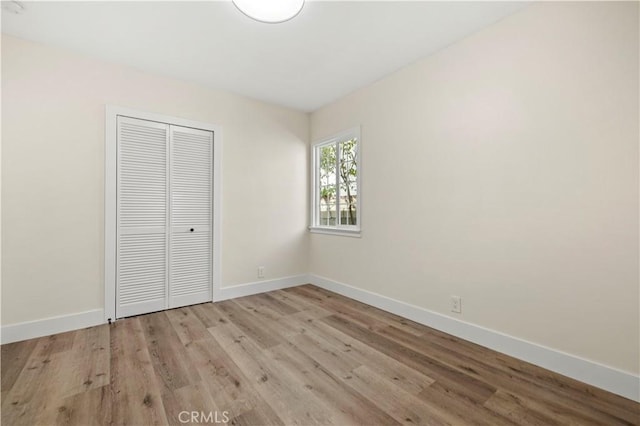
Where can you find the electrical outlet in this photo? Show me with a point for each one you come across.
(456, 304)
(260, 271)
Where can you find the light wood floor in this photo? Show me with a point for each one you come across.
(298, 356)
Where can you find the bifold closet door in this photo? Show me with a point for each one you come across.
(142, 216)
(190, 242)
(164, 216)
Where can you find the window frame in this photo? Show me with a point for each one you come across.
(336, 139)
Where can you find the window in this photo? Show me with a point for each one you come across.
(336, 184)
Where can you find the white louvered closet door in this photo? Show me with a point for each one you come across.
(190, 242)
(164, 216)
(142, 217)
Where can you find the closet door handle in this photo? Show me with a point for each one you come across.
(191, 230)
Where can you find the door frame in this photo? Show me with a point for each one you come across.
(110, 197)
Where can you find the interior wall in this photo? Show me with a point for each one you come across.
(504, 169)
(53, 112)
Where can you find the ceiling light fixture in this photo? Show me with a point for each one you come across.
(270, 11)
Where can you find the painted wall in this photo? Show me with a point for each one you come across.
(504, 169)
(53, 107)
(513, 155)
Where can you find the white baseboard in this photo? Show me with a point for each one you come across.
(47, 326)
(607, 378)
(598, 375)
(60, 324)
(260, 287)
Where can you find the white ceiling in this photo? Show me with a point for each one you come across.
(328, 51)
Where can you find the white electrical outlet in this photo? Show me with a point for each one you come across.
(260, 271)
(456, 304)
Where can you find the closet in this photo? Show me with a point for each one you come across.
(164, 232)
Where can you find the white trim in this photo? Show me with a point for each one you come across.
(217, 212)
(110, 210)
(345, 232)
(347, 133)
(45, 327)
(608, 378)
(111, 112)
(257, 287)
(60, 324)
(354, 132)
(611, 379)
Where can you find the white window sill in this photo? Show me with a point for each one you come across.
(355, 233)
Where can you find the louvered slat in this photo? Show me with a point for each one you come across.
(142, 217)
(190, 263)
(164, 216)
(191, 196)
(191, 155)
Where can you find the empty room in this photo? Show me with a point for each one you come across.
(290, 212)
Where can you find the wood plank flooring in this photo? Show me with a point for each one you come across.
(301, 356)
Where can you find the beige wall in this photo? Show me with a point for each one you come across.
(514, 157)
(53, 106)
(514, 154)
